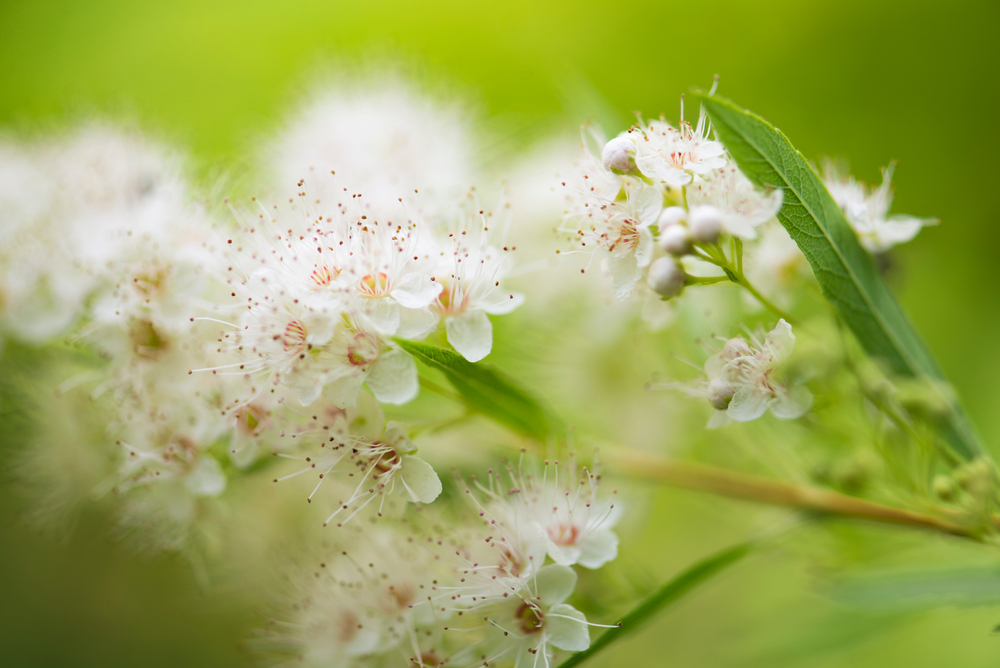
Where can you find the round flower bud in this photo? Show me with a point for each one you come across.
(666, 277)
(705, 223)
(675, 240)
(720, 393)
(736, 347)
(619, 155)
(672, 215)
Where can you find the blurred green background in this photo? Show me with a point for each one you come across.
(870, 81)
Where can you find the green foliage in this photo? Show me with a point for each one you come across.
(664, 596)
(846, 273)
(486, 390)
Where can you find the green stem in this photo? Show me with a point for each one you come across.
(768, 304)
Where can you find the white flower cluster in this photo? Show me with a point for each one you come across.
(656, 185)
(321, 292)
(483, 592)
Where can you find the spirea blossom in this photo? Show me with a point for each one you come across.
(745, 379)
(867, 210)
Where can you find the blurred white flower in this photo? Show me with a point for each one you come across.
(867, 210)
(384, 138)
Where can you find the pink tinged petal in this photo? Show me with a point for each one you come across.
(749, 403)
(471, 333)
(567, 628)
(416, 290)
(420, 482)
(415, 324)
(792, 403)
(598, 548)
(393, 377)
(207, 478)
(554, 583)
(625, 272)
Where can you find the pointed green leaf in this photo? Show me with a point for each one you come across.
(486, 390)
(667, 594)
(846, 273)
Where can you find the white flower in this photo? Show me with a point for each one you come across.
(471, 271)
(380, 458)
(741, 206)
(745, 379)
(676, 156)
(565, 517)
(867, 210)
(535, 618)
(283, 333)
(617, 228)
(356, 356)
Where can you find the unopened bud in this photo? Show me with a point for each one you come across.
(944, 488)
(705, 223)
(675, 240)
(736, 347)
(666, 277)
(720, 393)
(672, 215)
(619, 155)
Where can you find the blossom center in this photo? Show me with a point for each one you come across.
(564, 534)
(529, 618)
(295, 335)
(374, 285)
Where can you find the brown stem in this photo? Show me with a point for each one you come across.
(753, 488)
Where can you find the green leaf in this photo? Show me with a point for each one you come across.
(486, 390)
(845, 271)
(667, 594)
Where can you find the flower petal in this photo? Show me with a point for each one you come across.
(416, 290)
(598, 548)
(567, 628)
(207, 478)
(554, 583)
(471, 333)
(749, 403)
(792, 403)
(625, 272)
(393, 377)
(415, 324)
(420, 482)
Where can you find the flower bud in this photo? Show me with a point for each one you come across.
(619, 155)
(705, 223)
(736, 347)
(720, 393)
(666, 277)
(675, 240)
(672, 215)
